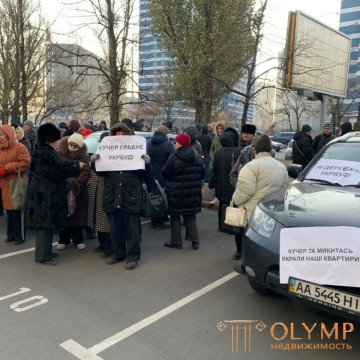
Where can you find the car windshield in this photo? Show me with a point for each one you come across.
(339, 164)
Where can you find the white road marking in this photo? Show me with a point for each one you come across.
(15, 253)
(88, 354)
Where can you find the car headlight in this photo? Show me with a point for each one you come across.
(262, 223)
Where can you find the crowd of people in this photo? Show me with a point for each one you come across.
(67, 196)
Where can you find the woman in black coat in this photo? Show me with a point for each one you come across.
(183, 173)
(220, 180)
(46, 209)
(159, 148)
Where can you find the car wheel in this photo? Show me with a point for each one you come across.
(258, 286)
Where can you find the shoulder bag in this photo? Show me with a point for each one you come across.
(154, 203)
(18, 188)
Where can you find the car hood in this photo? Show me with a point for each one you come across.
(311, 204)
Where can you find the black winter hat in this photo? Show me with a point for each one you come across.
(249, 129)
(346, 127)
(306, 128)
(263, 143)
(48, 133)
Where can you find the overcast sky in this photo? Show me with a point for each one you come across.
(326, 11)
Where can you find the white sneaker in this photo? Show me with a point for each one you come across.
(81, 246)
(60, 246)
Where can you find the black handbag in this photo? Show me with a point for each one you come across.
(154, 203)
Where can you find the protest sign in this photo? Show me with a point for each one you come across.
(336, 171)
(120, 153)
(323, 255)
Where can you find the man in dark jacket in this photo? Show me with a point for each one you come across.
(321, 140)
(159, 148)
(123, 201)
(183, 175)
(302, 151)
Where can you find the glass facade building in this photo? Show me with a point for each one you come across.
(154, 62)
(350, 25)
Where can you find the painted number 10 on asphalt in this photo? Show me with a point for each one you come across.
(20, 306)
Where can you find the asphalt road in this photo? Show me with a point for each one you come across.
(173, 306)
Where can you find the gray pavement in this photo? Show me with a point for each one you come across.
(170, 307)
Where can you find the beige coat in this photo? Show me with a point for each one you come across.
(11, 158)
(258, 178)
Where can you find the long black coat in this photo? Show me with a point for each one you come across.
(302, 151)
(159, 148)
(77, 184)
(46, 199)
(222, 166)
(183, 173)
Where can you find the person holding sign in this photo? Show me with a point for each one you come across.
(183, 173)
(123, 199)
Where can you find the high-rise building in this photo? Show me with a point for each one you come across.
(350, 25)
(72, 82)
(154, 61)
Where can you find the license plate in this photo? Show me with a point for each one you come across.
(325, 296)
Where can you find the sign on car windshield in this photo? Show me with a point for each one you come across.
(340, 172)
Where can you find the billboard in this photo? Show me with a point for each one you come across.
(317, 56)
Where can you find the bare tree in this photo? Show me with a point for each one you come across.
(294, 108)
(110, 20)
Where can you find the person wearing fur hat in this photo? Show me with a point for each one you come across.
(159, 148)
(123, 201)
(73, 148)
(46, 209)
(258, 178)
(14, 157)
(20, 137)
(247, 134)
(73, 127)
(302, 151)
(183, 174)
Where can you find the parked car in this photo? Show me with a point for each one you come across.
(305, 202)
(283, 137)
(276, 145)
(288, 151)
(92, 141)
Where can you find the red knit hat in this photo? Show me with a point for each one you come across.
(86, 132)
(183, 139)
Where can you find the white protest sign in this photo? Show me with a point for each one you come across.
(336, 171)
(323, 255)
(118, 153)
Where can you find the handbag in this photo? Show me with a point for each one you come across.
(235, 216)
(18, 187)
(154, 203)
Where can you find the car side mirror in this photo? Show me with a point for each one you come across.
(294, 170)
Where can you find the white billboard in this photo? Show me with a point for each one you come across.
(318, 56)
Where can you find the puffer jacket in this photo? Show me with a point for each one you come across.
(11, 158)
(258, 178)
(159, 148)
(183, 173)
